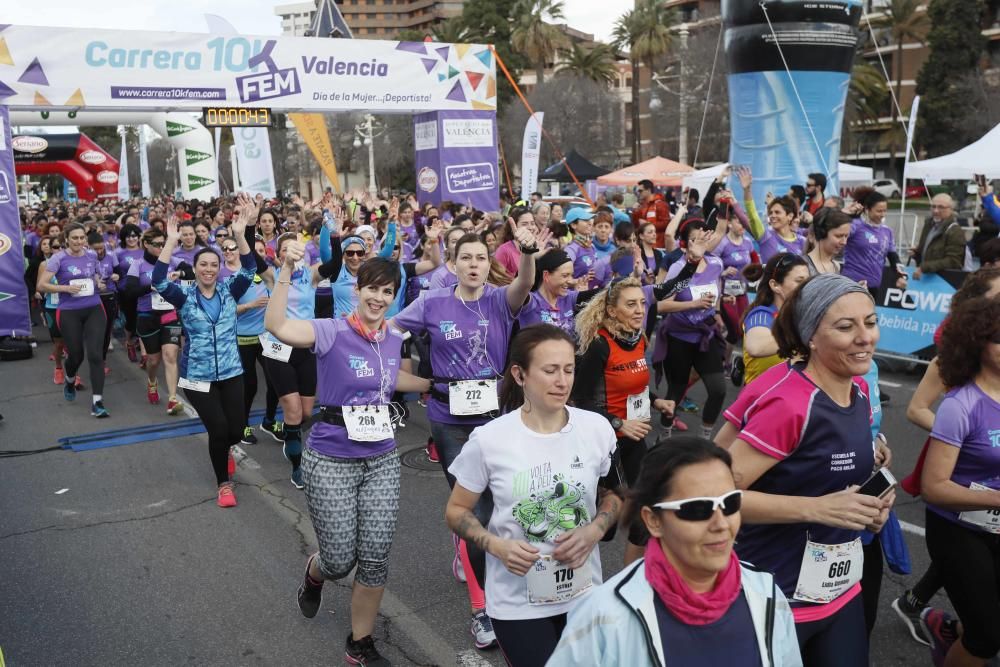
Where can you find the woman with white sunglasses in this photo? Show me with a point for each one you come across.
(689, 601)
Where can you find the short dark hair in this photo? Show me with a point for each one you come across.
(989, 252)
(470, 237)
(971, 327)
(94, 237)
(197, 255)
(379, 271)
(787, 203)
(826, 220)
(659, 468)
(521, 349)
(820, 180)
(646, 184)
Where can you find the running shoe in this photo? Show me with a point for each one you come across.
(59, 376)
(432, 451)
(275, 429)
(52, 357)
(310, 595)
(482, 630)
(79, 384)
(226, 496)
(942, 630)
(142, 362)
(152, 394)
(98, 410)
(680, 426)
(363, 652)
(132, 349)
(909, 613)
(422, 401)
(231, 464)
(297, 479)
(174, 406)
(687, 405)
(248, 437)
(69, 391)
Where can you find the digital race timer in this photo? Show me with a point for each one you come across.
(236, 117)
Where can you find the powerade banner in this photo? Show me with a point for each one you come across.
(786, 124)
(908, 318)
(113, 69)
(456, 158)
(14, 319)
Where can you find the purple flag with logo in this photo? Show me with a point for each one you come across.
(14, 318)
(456, 158)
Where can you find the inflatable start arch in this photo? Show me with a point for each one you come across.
(74, 157)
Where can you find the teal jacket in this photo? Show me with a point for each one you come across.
(616, 624)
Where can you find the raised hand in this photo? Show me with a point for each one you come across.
(295, 251)
(745, 175)
(173, 229)
(433, 232)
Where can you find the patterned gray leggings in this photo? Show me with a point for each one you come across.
(353, 505)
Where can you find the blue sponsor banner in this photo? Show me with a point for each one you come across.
(908, 318)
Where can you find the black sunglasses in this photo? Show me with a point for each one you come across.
(702, 509)
(155, 244)
(354, 253)
(229, 248)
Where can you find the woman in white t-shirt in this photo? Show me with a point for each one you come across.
(542, 462)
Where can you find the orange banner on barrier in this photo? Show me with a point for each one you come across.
(312, 127)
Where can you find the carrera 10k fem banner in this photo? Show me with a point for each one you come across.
(456, 158)
(14, 319)
(117, 69)
(785, 123)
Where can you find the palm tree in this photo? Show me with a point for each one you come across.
(452, 31)
(867, 94)
(907, 22)
(644, 32)
(596, 64)
(535, 36)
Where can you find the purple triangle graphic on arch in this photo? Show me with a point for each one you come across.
(429, 64)
(457, 94)
(412, 47)
(443, 52)
(4, 26)
(6, 91)
(34, 74)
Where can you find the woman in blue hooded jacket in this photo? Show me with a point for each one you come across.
(211, 373)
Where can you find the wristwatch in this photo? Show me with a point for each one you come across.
(617, 423)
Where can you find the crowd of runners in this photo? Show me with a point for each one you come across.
(543, 343)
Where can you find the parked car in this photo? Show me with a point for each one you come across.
(918, 191)
(888, 188)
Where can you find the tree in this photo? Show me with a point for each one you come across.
(907, 23)
(535, 36)
(596, 64)
(645, 34)
(488, 22)
(956, 46)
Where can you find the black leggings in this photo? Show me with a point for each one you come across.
(221, 411)
(630, 454)
(83, 331)
(871, 582)
(837, 640)
(249, 355)
(681, 358)
(531, 642)
(110, 303)
(971, 579)
(129, 306)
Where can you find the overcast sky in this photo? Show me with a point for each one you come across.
(249, 17)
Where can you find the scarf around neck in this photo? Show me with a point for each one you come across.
(686, 605)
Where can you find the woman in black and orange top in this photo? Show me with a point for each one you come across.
(612, 377)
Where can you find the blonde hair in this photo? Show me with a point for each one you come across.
(498, 276)
(595, 316)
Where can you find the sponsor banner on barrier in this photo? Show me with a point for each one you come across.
(14, 318)
(117, 69)
(253, 156)
(456, 158)
(908, 318)
(531, 148)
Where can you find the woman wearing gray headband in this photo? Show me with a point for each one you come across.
(803, 450)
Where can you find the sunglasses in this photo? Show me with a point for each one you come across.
(702, 509)
(230, 248)
(131, 236)
(222, 236)
(155, 244)
(354, 253)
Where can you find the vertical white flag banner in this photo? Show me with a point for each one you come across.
(253, 156)
(910, 131)
(236, 171)
(530, 150)
(144, 163)
(123, 193)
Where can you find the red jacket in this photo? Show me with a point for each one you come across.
(657, 212)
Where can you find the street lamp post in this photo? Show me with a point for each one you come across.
(365, 133)
(682, 120)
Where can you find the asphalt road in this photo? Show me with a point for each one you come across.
(119, 556)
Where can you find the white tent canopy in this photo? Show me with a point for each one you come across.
(980, 157)
(850, 175)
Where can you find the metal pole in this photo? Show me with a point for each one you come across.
(682, 137)
(371, 154)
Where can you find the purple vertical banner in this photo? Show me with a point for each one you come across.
(456, 158)
(14, 317)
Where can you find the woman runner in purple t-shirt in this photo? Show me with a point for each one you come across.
(351, 468)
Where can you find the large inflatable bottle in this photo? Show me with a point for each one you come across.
(786, 113)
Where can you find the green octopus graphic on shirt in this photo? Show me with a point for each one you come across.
(552, 504)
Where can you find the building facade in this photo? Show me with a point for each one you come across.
(373, 19)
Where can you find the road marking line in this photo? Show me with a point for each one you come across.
(894, 385)
(912, 528)
(61, 491)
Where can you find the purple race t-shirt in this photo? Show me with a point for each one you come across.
(143, 270)
(539, 311)
(468, 340)
(366, 374)
(684, 324)
(68, 268)
(867, 247)
(970, 420)
(442, 277)
(584, 260)
(734, 255)
(771, 244)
